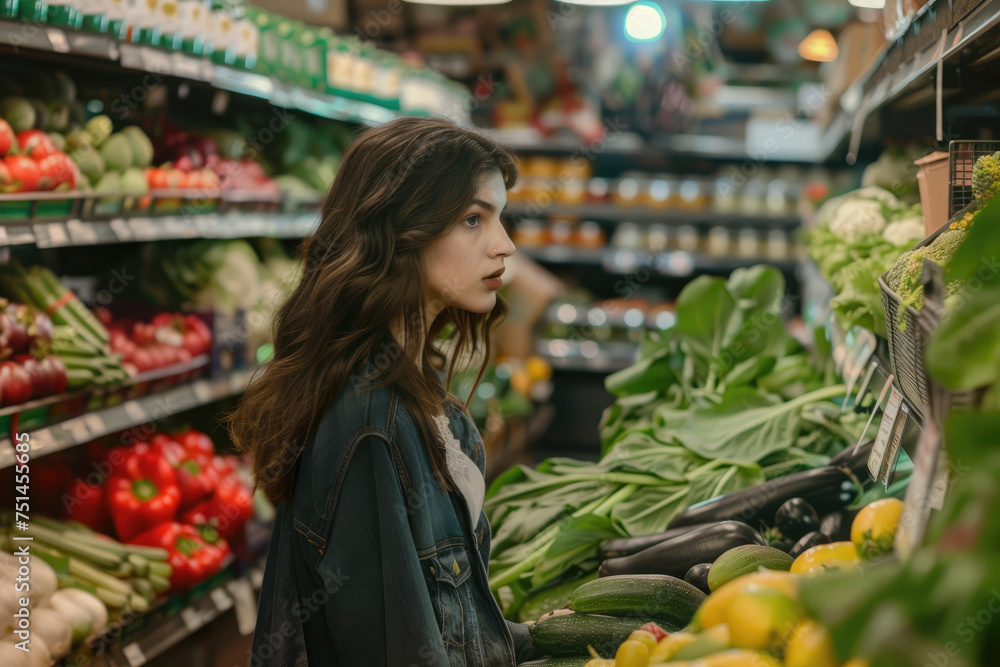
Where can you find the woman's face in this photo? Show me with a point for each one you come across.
(463, 266)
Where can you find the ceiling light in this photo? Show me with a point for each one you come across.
(819, 46)
(597, 3)
(644, 22)
(456, 3)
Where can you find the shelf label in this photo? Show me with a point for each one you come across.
(42, 441)
(895, 444)
(81, 233)
(50, 235)
(121, 229)
(221, 599)
(134, 655)
(921, 490)
(142, 228)
(58, 41)
(77, 430)
(95, 424)
(202, 391)
(192, 619)
(246, 605)
(155, 61)
(135, 412)
(877, 457)
(3, 236)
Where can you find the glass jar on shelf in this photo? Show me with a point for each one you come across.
(598, 190)
(777, 245)
(572, 191)
(530, 233)
(688, 238)
(718, 242)
(748, 243)
(590, 235)
(626, 192)
(560, 232)
(726, 196)
(692, 195)
(777, 201)
(659, 192)
(627, 236)
(657, 238)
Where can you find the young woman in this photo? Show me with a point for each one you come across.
(380, 549)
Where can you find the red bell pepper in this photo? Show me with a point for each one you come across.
(227, 510)
(88, 504)
(191, 557)
(186, 331)
(196, 476)
(142, 491)
(196, 443)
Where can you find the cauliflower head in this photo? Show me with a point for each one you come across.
(905, 231)
(856, 218)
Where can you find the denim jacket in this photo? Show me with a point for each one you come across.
(370, 563)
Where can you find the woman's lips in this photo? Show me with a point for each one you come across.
(493, 283)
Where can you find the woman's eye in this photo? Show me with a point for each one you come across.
(473, 221)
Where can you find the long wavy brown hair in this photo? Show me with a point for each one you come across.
(400, 186)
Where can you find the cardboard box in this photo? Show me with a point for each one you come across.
(331, 13)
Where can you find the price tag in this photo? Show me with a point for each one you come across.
(155, 61)
(871, 417)
(81, 233)
(77, 430)
(221, 599)
(3, 236)
(42, 441)
(20, 235)
(877, 457)
(203, 391)
(142, 228)
(185, 67)
(192, 619)
(95, 424)
(58, 41)
(135, 412)
(130, 56)
(134, 655)
(939, 487)
(895, 444)
(916, 504)
(121, 230)
(246, 605)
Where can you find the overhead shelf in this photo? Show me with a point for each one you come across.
(613, 213)
(586, 355)
(677, 263)
(49, 39)
(76, 232)
(127, 414)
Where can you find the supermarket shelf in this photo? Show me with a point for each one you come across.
(125, 415)
(677, 263)
(586, 355)
(16, 35)
(160, 634)
(612, 213)
(76, 232)
(578, 315)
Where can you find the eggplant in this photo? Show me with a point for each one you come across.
(795, 518)
(808, 541)
(827, 489)
(837, 525)
(674, 557)
(626, 546)
(697, 576)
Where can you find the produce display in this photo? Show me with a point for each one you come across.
(723, 401)
(751, 614)
(856, 238)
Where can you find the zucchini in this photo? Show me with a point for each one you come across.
(626, 546)
(697, 576)
(669, 601)
(676, 556)
(744, 560)
(558, 662)
(571, 634)
(552, 597)
(826, 489)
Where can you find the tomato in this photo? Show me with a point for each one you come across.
(183, 163)
(157, 179)
(7, 138)
(58, 172)
(24, 173)
(174, 178)
(6, 180)
(35, 144)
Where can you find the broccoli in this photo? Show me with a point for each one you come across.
(904, 277)
(986, 178)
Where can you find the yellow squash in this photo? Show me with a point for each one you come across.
(823, 557)
(713, 609)
(762, 619)
(632, 653)
(739, 658)
(810, 646)
(874, 528)
(669, 645)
